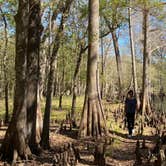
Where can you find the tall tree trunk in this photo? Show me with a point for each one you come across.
(73, 107)
(6, 84)
(20, 137)
(7, 103)
(43, 73)
(60, 100)
(62, 82)
(33, 107)
(79, 85)
(117, 54)
(45, 132)
(133, 57)
(55, 88)
(15, 141)
(102, 68)
(118, 61)
(93, 119)
(39, 120)
(146, 60)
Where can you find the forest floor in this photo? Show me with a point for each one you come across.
(121, 151)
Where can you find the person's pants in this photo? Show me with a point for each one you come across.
(130, 122)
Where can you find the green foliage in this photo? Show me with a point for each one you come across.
(148, 4)
(83, 7)
(114, 11)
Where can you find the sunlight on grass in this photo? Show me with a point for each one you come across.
(56, 113)
(2, 108)
(60, 114)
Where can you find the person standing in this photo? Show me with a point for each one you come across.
(130, 109)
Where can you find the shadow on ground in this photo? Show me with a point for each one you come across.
(71, 134)
(83, 161)
(136, 137)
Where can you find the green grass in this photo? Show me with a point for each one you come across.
(2, 108)
(59, 114)
(56, 113)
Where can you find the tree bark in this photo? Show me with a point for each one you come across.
(45, 132)
(43, 71)
(146, 60)
(33, 51)
(39, 120)
(20, 137)
(73, 107)
(62, 84)
(55, 86)
(93, 119)
(102, 68)
(15, 141)
(7, 103)
(133, 57)
(118, 61)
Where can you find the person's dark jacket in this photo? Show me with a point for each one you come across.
(130, 105)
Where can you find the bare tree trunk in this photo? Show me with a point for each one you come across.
(117, 54)
(15, 141)
(60, 101)
(102, 69)
(79, 85)
(45, 133)
(62, 87)
(39, 120)
(146, 60)
(56, 83)
(118, 61)
(20, 137)
(104, 76)
(133, 57)
(93, 119)
(43, 73)
(7, 103)
(82, 50)
(33, 107)
(55, 86)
